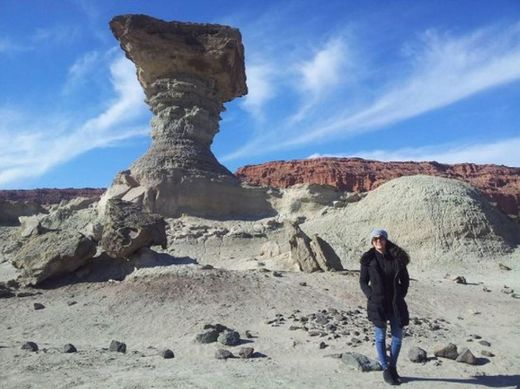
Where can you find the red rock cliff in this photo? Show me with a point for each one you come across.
(500, 184)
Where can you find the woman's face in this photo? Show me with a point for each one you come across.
(379, 243)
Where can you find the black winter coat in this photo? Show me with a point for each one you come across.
(371, 282)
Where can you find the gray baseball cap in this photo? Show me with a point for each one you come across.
(376, 232)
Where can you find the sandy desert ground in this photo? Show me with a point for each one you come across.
(165, 307)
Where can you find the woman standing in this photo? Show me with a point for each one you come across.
(384, 280)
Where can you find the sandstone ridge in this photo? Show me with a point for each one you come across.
(499, 184)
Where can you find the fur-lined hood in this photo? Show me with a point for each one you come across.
(396, 252)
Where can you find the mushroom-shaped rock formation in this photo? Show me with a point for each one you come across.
(188, 71)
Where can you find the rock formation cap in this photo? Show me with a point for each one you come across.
(162, 49)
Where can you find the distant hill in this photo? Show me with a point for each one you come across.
(499, 184)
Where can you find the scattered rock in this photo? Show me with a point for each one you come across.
(335, 356)
(223, 354)
(323, 345)
(487, 353)
(52, 254)
(507, 290)
(167, 354)
(303, 283)
(207, 267)
(449, 351)
(6, 292)
(503, 267)
(417, 355)
(485, 343)
(460, 280)
(30, 346)
(249, 335)
(70, 303)
(119, 347)
(277, 274)
(246, 352)
(229, 338)
(69, 348)
(466, 356)
(127, 228)
(38, 306)
(360, 362)
(208, 336)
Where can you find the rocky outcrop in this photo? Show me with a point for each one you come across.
(49, 196)
(11, 210)
(52, 254)
(188, 71)
(500, 184)
(299, 252)
(127, 228)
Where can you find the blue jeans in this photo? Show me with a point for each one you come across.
(395, 347)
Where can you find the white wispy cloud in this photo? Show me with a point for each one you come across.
(59, 34)
(324, 72)
(261, 88)
(8, 46)
(442, 70)
(503, 152)
(29, 151)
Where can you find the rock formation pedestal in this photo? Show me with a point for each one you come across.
(188, 71)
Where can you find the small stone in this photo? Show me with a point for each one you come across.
(331, 327)
(206, 267)
(303, 284)
(360, 362)
(70, 303)
(294, 328)
(503, 267)
(417, 355)
(249, 335)
(323, 345)
(449, 351)
(487, 353)
(485, 343)
(277, 274)
(229, 338)
(223, 354)
(515, 295)
(335, 356)
(460, 280)
(246, 352)
(38, 306)
(167, 354)
(485, 289)
(119, 347)
(208, 336)
(30, 346)
(475, 336)
(69, 348)
(466, 356)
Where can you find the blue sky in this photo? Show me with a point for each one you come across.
(387, 80)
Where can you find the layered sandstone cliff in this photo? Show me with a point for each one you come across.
(500, 184)
(188, 71)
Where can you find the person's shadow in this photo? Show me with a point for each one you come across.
(489, 381)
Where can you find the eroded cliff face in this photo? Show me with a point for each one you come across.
(500, 184)
(188, 71)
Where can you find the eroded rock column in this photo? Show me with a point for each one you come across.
(188, 71)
